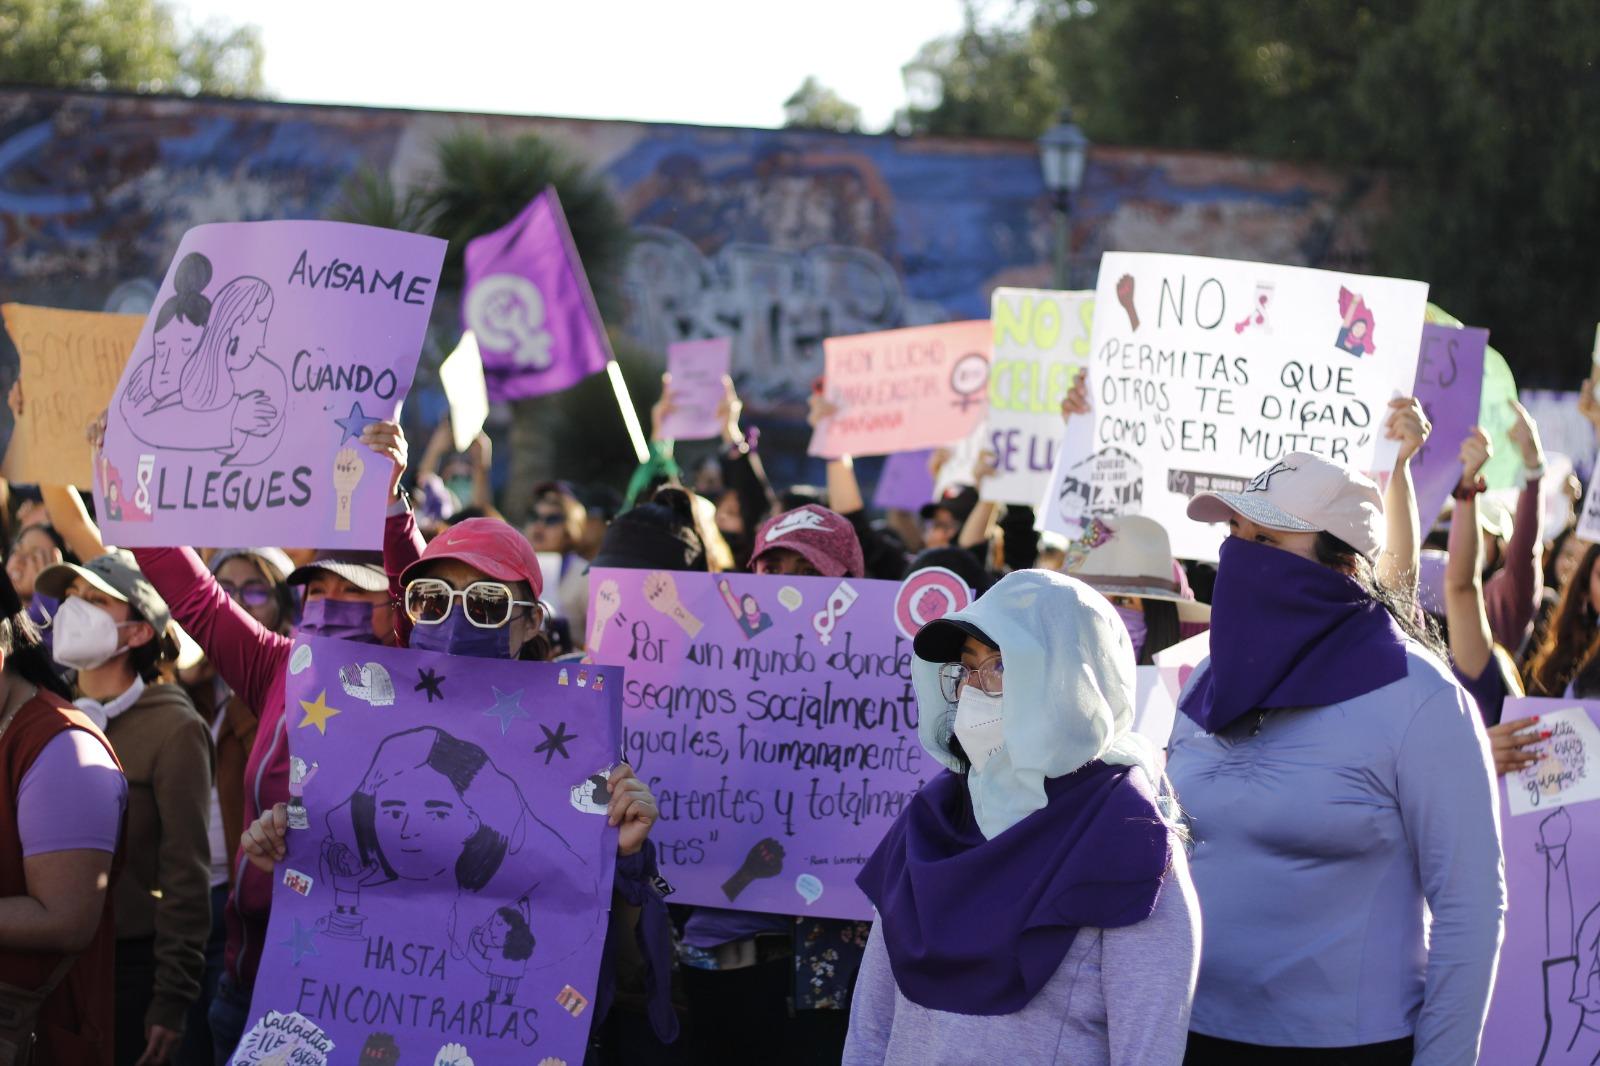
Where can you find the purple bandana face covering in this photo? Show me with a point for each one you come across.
(457, 636)
(1289, 632)
(979, 926)
(339, 619)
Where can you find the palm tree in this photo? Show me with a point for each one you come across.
(478, 184)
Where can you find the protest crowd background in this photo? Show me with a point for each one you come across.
(482, 589)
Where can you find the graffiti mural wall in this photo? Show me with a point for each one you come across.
(775, 238)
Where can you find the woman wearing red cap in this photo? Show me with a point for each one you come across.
(475, 591)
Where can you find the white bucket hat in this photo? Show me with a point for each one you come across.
(1131, 555)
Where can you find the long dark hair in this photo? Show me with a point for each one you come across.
(1568, 639)
(1400, 603)
(1160, 629)
(20, 644)
(519, 938)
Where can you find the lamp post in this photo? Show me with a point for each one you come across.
(1063, 150)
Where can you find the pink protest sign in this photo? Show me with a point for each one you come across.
(1449, 381)
(774, 718)
(1546, 1004)
(446, 888)
(270, 347)
(697, 369)
(905, 389)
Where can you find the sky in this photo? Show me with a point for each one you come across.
(711, 62)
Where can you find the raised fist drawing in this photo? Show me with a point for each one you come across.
(1125, 298)
(764, 860)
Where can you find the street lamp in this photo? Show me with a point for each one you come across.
(1063, 151)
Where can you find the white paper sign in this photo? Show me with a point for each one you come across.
(1155, 708)
(1589, 518)
(1041, 344)
(1205, 371)
(1567, 771)
(1179, 661)
(461, 377)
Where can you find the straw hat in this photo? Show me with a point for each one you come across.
(1131, 556)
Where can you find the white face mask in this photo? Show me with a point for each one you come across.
(85, 635)
(979, 725)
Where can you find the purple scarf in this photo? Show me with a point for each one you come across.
(1289, 632)
(976, 926)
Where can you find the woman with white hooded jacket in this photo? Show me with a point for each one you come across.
(1033, 901)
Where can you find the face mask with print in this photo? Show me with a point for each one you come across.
(979, 725)
(85, 635)
(458, 636)
(338, 619)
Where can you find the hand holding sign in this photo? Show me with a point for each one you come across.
(389, 441)
(1408, 424)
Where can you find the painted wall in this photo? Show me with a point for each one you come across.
(777, 238)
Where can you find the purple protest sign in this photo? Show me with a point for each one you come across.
(528, 301)
(697, 369)
(1546, 1004)
(1449, 380)
(775, 720)
(906, 483)
(260, 326)
(449, 866)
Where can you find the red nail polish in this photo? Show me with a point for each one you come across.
(1545, 735)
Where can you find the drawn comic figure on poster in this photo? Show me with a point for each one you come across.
(1356, 325)
(504, 943)
(208, 385)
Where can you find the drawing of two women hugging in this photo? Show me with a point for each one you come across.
(208, 385)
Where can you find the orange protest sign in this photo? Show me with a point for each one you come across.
(71, 362)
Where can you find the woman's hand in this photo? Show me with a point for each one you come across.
(1408, 424)
(632, 809)
(729, 411)
(1524, 433)
(1077, 398)
(389, 441)
(263, 840)
(1476, 452)
(1510, 740)
(662, 407)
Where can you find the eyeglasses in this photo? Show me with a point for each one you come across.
(250, 594)
(989, 676)
(487, 604)
(550, 518)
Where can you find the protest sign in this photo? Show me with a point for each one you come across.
(1546, 1004)
(774, 717)
(904, 389)
(528, 301)
(1589, 517)
(1205, 371)
(70, 363)
(1449, 381)
(461, 377)
(1155, 707)
(260, 326)
(449, 864)
(1041, 344)
(906, 483)
(1495, 416)
(697, 369)
(1179, 661)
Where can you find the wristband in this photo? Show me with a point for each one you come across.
(1535, 473)
(1466, 491)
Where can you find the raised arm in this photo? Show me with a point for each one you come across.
(71, 519)
(1402, 550)
(1512, 593)
(1471, 643)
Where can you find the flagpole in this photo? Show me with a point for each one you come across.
(629, 416)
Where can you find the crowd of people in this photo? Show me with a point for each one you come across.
(1310, 872)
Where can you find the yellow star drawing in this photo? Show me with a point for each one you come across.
(318, 712)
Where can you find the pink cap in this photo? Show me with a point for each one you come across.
(486, 544)
(1304, 493)
(823, 538)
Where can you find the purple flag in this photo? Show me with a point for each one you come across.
(1449, 379)
(528, 301)
(445, 893)
(776, 721)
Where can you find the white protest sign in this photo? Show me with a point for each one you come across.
(1155, 708)
(1563, 774)
(1041, 344)
(461, 377)
(1205, 371)
(1589, 519)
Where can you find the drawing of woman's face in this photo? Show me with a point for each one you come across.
(175, 343)
(1358, 328)
(421, 824)
(249, 337)
(499, 928)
